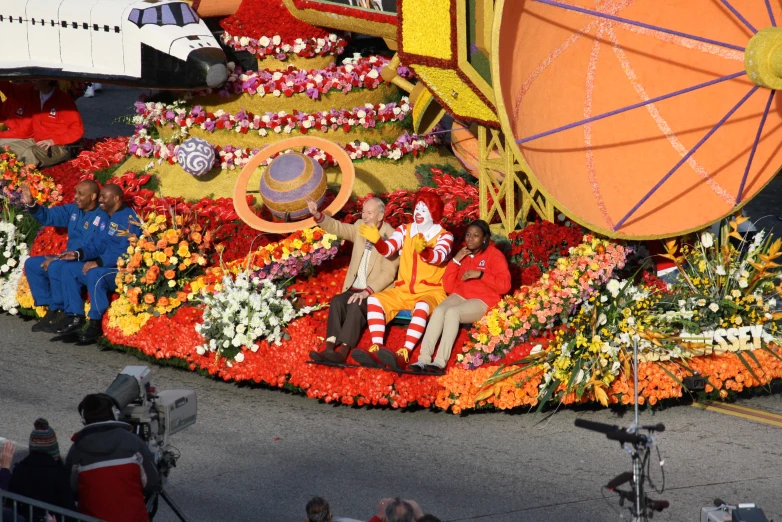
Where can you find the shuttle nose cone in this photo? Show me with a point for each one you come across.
(207, 65)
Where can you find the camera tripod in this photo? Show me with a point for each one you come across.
(639, 446)
(153, 504)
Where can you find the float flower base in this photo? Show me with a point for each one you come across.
(174, 340)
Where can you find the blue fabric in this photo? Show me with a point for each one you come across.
(45, 285)
(99, 282)
(112, 240)
(81, 225)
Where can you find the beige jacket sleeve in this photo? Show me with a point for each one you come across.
(339, 229)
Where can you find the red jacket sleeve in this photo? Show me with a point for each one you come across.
(452, 277)
(497, 275)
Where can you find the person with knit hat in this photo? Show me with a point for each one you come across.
(111, 469)
(41, 475)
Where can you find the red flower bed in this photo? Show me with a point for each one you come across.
(257, 18)
(536, 247)
(49, 241)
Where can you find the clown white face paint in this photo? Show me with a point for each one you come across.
(422, 216)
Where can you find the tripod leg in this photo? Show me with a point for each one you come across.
(172, 505)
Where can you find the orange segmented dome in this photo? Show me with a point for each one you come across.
(640, 118)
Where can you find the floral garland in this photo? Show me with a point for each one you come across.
(177, 116)
(357, 72)
(231, 158)
(333, 44)
(537, 307)
(295, 255)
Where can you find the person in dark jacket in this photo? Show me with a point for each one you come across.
(96, 266)
(112, 470)
(44, 273)
(41, 475)
(475, 280)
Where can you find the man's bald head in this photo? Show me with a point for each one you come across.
(86, 195)
(89, 186)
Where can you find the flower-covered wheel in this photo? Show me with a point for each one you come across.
(240, 189)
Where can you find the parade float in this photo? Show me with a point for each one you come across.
(588, 129)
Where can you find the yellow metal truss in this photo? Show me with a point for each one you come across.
(515, 195)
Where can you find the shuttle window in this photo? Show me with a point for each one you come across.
(64, 25)
(85, 25)
(179, 14)
(135, 16)
(75, 25)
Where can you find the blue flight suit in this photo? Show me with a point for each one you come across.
(45, 285)
(105, 247)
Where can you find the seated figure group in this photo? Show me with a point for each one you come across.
(410, 268)
(99, 229)
(38, 121)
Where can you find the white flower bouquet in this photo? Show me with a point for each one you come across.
(246, 310)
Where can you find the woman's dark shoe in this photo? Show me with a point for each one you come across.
(433, 369)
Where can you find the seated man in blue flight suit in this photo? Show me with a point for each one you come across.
(95, 265)
(82, 218)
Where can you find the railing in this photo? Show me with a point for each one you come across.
(14, 511)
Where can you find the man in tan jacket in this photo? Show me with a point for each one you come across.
(369, 272)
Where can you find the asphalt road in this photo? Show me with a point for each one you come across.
(258, 455)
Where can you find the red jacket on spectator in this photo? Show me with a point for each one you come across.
(58, 120)
(17, 111)
(490, 287)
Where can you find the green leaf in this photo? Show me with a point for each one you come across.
(672, 376)
(573, 375)
(552, 386)
(747, 365)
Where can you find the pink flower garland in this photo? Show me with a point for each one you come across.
(354, 73)
(274, 46)
(176, 115)
(230, 157)
(536, 308)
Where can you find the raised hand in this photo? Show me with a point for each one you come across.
(312, 206)
(369, 232)
(27, 195)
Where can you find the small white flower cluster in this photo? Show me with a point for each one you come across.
(13, 253)
(244, 311)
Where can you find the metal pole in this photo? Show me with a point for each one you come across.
(636, 459)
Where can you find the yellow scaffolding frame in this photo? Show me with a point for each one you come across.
(514, 196)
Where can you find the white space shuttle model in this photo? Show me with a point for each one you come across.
(151, 43)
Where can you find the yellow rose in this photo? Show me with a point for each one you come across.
(159, 256)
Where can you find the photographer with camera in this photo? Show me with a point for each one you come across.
(112, 469)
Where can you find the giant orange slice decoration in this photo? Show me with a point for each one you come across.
(642, 118)
(240, 189)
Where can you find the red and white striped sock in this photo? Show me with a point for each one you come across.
(376, 319)
(417, 325)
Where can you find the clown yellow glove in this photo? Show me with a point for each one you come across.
(369, 232)
(419, 243)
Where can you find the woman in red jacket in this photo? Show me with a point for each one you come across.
(476, 279)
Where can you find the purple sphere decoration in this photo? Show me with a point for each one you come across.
(196, 156)
(288, 181)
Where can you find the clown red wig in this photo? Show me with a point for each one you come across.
(432, 202)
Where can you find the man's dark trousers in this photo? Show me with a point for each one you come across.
(346, 321)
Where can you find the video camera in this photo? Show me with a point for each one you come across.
(155, 416)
